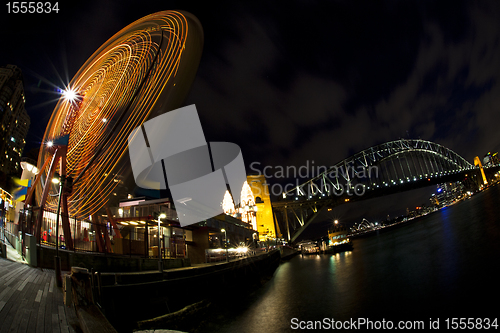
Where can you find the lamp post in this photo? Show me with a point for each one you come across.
(57, 260)
(3, 242)
(70, 96)
(225, 243)
(160, 263)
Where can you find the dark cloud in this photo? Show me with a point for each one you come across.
(360, 77)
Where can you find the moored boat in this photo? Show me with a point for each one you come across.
(338, 240)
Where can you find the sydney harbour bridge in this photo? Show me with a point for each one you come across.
(380, 170)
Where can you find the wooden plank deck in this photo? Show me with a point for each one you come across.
(31, 302)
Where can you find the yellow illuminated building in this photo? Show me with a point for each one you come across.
(477, 162)
(265, 222)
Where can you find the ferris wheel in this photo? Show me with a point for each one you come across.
(144, 70)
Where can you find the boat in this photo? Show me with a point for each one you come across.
(338, 239)
(346, 245)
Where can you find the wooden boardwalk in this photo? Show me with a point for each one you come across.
(30, 301)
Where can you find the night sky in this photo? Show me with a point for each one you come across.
(292, 81)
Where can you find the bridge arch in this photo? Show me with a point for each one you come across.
(383, 169)
(389, 164)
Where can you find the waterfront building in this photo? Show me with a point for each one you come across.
(446, 193)
(208, 240)
(265, 221)
(6, 202)
(137, 222)
(14, 119)
(147, 228)
(491, 159)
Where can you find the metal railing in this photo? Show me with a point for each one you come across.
(92, 236)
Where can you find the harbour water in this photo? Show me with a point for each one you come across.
(443, 265)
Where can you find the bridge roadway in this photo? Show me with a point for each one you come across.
(335, 200)
(30, 301)
(319, 203)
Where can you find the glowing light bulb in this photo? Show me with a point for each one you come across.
(69, 94)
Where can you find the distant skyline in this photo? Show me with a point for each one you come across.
(300, 81)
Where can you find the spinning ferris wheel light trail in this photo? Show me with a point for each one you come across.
(144, 70)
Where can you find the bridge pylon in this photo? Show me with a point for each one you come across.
(477, 162)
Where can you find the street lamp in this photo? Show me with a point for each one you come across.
(57, 260)
(225, 243)
(3, 242)
(160, 263)
(65, 185)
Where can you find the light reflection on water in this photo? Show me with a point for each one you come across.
(442, 265)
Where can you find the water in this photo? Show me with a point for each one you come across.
(439, 266)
